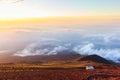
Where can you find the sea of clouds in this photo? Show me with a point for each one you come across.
(107, 46)
(86, 39)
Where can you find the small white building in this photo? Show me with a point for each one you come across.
(90, 68)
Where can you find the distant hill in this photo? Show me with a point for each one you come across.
(63, 55)
(95, 58)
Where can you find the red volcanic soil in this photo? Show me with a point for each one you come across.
(61, 74)
(71, 68)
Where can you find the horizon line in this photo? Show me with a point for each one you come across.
(63, 17)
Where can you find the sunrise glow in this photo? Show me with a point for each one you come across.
(59, 39)
(41, 9)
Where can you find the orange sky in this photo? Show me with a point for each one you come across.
(9, 25)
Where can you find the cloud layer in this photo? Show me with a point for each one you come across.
(104, 45)
(11, 1)
(102, 39)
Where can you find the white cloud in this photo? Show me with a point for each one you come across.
(89, 49)
(106, 46)
(10, 1)
(47, 48)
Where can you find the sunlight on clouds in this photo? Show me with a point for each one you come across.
(46, 8)
(22, 10)
(11, 9)
(10, 1)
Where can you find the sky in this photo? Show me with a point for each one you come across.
(46, 27)
(53, 8)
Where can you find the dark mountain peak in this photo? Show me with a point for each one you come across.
(95, 58)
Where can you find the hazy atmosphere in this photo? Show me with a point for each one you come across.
(59, 39)
(46, 27)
